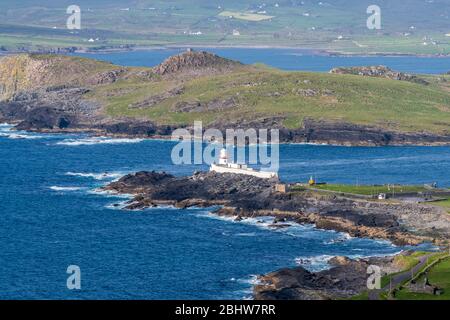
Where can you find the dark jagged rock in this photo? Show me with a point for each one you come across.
(143, 178)
(380, 72)
(136, 128)
(351, 134)
(338, 133)
(346, 278)
(195, 62)
(45, 118)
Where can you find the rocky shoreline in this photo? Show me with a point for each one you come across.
(313, 132)
(242, 197)
(344, 279)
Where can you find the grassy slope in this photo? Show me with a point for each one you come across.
(369, 190)
(22, 72)
(439, 276)
(366, 101)
(444, 204)
(258, 91)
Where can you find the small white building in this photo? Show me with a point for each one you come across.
(225, 167)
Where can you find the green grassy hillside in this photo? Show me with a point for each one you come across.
(25, 72)
(259, 92)
(239, 93)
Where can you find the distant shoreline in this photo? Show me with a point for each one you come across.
(312, 51)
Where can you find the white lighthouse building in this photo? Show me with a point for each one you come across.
(223, 157)
(226, 167)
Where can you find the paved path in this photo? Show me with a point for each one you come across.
(399, 278)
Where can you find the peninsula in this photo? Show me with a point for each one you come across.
(370, 106)
(244, 196)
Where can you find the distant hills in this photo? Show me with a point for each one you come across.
(413, 26)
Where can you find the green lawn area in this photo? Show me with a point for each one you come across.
(444, 203)
(369, 190)
(362, 296)
(245, 16)
(439, 276)
(405, 262)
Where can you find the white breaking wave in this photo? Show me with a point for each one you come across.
(260, 222)
(96, 176)
(56, 188)
(290, 228)
(110, 193)
(117, 205)
(341, 238)
(96, 140)
(251, 281)
(314, 263)
(9, 135)
(321, 262)
(7, 132)
(23, 136)
(244, 234)
(5, 126)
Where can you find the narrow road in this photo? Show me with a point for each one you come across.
(399, 278)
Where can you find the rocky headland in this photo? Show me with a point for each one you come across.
(53, 93)
(242, 196)
(380, 72)
(344, 279)
(245, 196)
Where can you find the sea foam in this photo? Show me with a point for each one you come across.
(96, 176)
(96, 140)
(57, 188)
(314, 263)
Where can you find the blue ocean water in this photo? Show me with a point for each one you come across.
(286, 59)
(53, 216)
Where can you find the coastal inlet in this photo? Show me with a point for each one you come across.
(52, 217)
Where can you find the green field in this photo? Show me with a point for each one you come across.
(317, 25)
(369, 190)
(406, 262)
(444, 204)
(245, 16)
(438, 275)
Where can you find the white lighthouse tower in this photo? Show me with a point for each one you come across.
(229, 167)
(223, 158)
